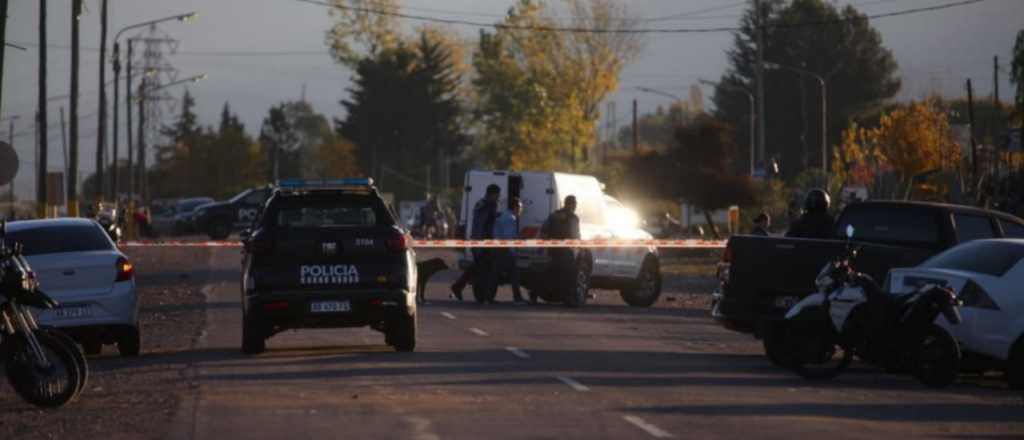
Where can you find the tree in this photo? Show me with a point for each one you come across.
(1017, 73)
(839, 45)
(915, 140)
(538, 92)
(360, 30)
(279, 142)
(404, 114)
(698, 169)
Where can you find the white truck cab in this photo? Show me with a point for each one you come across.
(635, 272)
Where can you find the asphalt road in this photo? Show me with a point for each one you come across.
(504, 371)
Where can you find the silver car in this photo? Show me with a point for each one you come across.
(78, 265)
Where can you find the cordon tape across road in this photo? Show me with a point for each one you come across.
(492, 244)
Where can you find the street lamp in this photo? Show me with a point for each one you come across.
(143, 92)
(116, 61)
(667, 95)
(753, 114)
(824, 108)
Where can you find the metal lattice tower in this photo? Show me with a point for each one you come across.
(155, 71)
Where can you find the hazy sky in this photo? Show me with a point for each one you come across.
(936, 51)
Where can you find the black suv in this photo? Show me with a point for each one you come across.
(328, 254)
(220, 219)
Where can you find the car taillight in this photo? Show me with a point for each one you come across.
(398, 243)
(529, 232)
(125, 270)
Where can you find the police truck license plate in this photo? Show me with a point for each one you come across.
(330, 306)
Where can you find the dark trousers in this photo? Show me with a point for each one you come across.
(481, 273)
(508, 266)
(562, 271)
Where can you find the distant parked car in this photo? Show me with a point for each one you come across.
(219, 219)
(987, 276)
(78, 265)
(184, 214)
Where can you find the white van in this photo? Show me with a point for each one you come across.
(635, 272)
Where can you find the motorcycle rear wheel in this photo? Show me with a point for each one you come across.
(46, 386)
(938, 358)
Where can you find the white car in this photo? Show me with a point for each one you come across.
(78, 265)
(987, 276)
(635, 272)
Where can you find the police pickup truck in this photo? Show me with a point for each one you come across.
(219, 219)
(327, 254)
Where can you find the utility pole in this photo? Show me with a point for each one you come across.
(114, 170)
(101, 133)
(128, 123)
(759, 81)
(3, 46)
(10, 187)
(41, 201)
(974, 145)
(142, 135)
(64, 141)
(72, 182)
(636, 136)
(996, 119)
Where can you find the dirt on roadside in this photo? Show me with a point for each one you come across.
(131, 397)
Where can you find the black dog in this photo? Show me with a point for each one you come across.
(425, 270)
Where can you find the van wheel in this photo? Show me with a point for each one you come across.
(647, 288)
(253, 341)
(129, 341)
(1015, 366)
(577, 295)
(219, 230)
(401, 333)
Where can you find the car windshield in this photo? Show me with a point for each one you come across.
(59, 239)
(989, 257)
(883, 224)
(329, 212)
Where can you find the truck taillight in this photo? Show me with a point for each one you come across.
(125, 270)
(398, 243)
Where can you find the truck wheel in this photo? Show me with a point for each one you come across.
(129, 341)
(938, 358)
(219, 230)
(401, 333)
(577, 294)
(647, 287)
(1015, 366)
(253, 341)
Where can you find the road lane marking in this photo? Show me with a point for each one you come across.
(478, 332)
(573, 384)
(654, 431)
(519, 353)
(448, 315)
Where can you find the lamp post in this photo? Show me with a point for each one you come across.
(143, 95)
(667, 95)
(116, 61)
(753, 116)
(824, 108)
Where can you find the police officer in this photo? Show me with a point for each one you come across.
(815, 222)
(482, 270)
(562, 224)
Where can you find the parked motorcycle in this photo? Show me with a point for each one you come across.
(46, 368)
(851, 315)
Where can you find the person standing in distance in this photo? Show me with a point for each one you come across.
(506, 227)
(485, 212)
(761, 224)
(562, 224)
(815, 222)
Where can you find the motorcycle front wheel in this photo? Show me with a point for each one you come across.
(819, 357)
(48, 383)
(938, 358)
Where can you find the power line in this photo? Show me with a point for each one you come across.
(578, 30)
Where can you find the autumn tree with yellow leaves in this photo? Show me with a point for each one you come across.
(909, 142)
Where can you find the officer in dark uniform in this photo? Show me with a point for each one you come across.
(562, 224)
(482, 270)
(815, 222)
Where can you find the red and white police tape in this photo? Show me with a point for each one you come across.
(491, 244)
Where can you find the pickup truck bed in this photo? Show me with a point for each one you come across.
(761, 277)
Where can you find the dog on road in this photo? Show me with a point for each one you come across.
(425, 270)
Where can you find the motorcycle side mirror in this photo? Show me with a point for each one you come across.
(849, 231)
